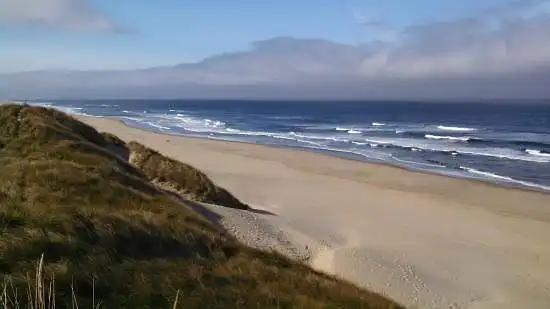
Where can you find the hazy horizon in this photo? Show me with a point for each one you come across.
(356, 50)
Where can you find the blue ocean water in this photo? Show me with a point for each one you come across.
(505, 143)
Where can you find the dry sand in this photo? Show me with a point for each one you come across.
(427, 241)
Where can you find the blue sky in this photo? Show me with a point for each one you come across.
(253, 49)
(164, 32)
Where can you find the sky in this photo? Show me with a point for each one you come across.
(57, 46)
(126, 34)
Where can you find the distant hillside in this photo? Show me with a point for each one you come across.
(115, 227)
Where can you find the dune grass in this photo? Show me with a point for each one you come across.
(180, 178)
(97, 211)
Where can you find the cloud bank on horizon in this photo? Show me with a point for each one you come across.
(500, 52)
(509, 39)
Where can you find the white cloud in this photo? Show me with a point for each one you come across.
(72, 14)
(376, 27)
(509, 39)
(504, 53)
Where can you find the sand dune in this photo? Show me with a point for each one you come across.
(427, 241)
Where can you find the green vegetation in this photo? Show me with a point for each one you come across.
(109, 234)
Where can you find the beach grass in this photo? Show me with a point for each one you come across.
(88, 221)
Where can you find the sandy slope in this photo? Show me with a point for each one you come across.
(427, 241)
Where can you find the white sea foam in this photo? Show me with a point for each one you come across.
(450, 138)
(503, 178)
(285, 117)
(537, 153)
(214, 123)
(319, 137)
(342, 129)
(382, 141)
(506, 154)
(217, 127)
(213, 126)
(486, 174)
(458, 129)
(432, 145)
(44, 104)
(191, 124)
(370, 154)
(356, 129)
(348, 138)
(136, 119)
(158, 126)
(79, 111)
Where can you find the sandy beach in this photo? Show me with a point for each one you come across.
(425, 240)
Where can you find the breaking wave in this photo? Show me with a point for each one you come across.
(503, 153)
(429, 142)
(450, 138)
(456, 129)
(537, 153)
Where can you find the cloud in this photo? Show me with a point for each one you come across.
(501, 53)
(507, 39)
(381, 29)
(69, 14)
(510, 39)
(515, 8)
(370, 22)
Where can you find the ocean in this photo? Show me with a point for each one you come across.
(503, 143)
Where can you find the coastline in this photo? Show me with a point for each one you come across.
(425, 240)
(342, 155)
(514, 176)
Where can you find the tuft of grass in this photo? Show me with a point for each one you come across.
(106, 232)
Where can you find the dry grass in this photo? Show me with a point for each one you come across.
(108, 233)
(179, 177)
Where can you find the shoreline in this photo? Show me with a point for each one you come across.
(484, 176)
(342, 155)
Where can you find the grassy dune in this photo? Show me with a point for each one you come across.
(104, 216)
